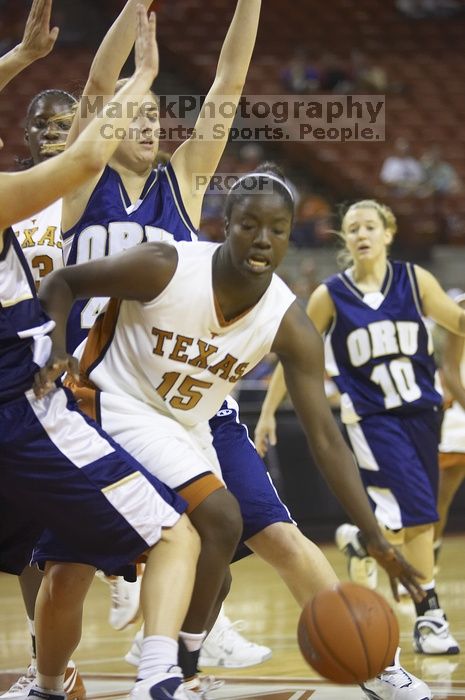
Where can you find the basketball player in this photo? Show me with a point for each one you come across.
(129, 203)
(86, 489)
(161, 374)
(452, 445)
(40, 239)
(380, 355)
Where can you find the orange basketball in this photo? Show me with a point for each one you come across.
(348, 633)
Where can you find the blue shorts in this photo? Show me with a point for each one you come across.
(62, 476)
(245, 473)
(398, 460)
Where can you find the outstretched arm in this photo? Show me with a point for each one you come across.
(320, 310)
(300, 348)
(140, 273)
(23, 193)
(108, 63)
(38, 40)
(202, 153)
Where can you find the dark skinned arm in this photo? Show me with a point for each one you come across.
(300, 349)
(140, 274)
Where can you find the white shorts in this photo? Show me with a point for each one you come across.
(453, 430)
(174, 453)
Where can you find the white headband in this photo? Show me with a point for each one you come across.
(269, 177)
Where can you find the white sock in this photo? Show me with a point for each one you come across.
(157, 656)
(50, 682)
(192, 642)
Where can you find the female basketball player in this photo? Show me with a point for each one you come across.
(71, 477)
(48, 120)
(380, 355)
(129, 203)
(162, 374)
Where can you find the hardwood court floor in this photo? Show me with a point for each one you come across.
(259, 598)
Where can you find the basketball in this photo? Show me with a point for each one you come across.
(348, 633)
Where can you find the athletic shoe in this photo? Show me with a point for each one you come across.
(199, 686)
(134, 653)
(73, 685)
(36, 693)
(125, 597)
(21, 687)
(161, 686)
(362, 568)
(431, 634)
(224, 646)
(395, 683)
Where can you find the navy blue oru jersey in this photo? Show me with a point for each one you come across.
(24, 326)
(378, 349)
(111, 224)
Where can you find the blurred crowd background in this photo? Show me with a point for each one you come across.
(411, 51)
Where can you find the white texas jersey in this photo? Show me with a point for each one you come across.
(453, 425)
(177, 353)
(40, 240)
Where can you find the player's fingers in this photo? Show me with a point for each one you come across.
(394, 588)
(414, 589)
(53, 36)
(45, 12)
(42, 383)
(272, 439)
(259, 445)
(35, 11)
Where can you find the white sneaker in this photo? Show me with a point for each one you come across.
(431, 634)
(161, 686)
(73, 685)
(36, 693)
(224, 646)
(135, 652)
(21, 687)
(125, 597)
(395, 683)
(199, 686)
(362, 568)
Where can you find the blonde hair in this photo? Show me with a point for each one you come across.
(384, 212)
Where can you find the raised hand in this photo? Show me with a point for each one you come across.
(146, 47)
(38, 39)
